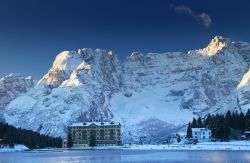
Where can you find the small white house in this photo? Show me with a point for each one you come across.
(201, 134)
(181, 137)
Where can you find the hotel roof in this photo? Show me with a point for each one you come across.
(200, 129)
(80, 124)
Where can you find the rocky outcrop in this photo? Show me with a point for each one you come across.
(216, 82)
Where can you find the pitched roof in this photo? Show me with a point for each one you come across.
(200, 129)
(94, 123)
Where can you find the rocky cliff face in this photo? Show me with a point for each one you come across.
(11, 87)
(146, 92)
(214, 87)
(78, 87)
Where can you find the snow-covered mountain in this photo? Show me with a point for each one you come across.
(77, 88)
(150, 94)
(12, 86)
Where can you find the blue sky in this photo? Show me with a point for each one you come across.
(33, 32)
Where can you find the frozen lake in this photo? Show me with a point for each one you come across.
(136, 156)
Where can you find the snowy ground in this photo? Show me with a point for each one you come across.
(141, 107)
(17, 148)
(232, 145)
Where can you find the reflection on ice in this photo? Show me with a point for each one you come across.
(114, 156)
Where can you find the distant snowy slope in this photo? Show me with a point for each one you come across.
(12, 86)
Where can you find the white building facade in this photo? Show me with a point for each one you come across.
(201, 134)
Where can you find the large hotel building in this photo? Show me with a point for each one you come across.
(104, 134)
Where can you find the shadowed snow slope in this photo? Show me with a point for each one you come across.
(12, 86)
(148, 92)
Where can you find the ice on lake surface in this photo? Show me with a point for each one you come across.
(124, 156)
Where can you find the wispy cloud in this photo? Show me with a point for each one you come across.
(203, 17)
(206, 19)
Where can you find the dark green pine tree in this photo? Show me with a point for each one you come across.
(189, 131)
(92, 140)
(199, 123)
(213, 123)
(228, 119)
(226, 127)
(235, 120)
(194, 123)
(59, 142)
(222, 130)
(218, 127)
(247, 120)
(242, 122)
(208, 121)
(70, 141)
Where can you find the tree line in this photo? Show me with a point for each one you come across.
(221, 124)
(29, 138)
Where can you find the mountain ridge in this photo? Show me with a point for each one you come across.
(164, 88)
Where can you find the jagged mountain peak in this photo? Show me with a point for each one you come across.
(217, 44)
(70, 63)
(220, 39)
(136, 54)
(15, 77)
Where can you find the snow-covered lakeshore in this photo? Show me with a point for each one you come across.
(16, 148)
(236, 145)
(232, 145)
